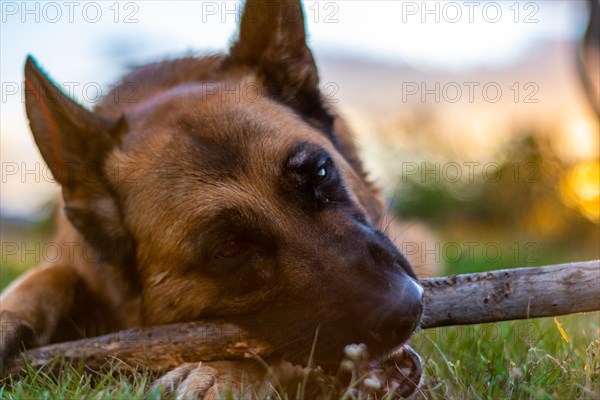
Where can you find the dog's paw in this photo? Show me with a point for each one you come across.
(188, 381)
(396, 376)
(403, 372)
(15, 335)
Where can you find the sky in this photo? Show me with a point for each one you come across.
(88, 45)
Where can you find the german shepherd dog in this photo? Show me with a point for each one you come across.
(228, 189)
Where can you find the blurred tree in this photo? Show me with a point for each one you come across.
(523, 194)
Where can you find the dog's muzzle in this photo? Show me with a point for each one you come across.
(402, 314)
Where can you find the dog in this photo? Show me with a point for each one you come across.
(228, 189)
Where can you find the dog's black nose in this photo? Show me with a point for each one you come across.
(403, 314)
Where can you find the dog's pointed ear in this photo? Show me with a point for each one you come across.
(74, 142)
(272, 41)
(66, 134)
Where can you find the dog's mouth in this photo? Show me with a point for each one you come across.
(395, 375)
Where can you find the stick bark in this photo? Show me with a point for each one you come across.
(511, 294)
(457, 300)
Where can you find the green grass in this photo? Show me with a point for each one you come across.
(8, 273)
(73, 383)
(514, 359)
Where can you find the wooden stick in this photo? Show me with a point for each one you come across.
(159, 348)
(457, 300)
(511, 294)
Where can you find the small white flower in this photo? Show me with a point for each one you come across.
(515, 373)
(347, 365)
(372, 383)
(355, 351)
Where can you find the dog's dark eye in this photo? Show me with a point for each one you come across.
(231, 249)
(321, 173)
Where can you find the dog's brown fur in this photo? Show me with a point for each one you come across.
(200, 199)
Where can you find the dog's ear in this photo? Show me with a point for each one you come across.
(74, 143)
(272, 41)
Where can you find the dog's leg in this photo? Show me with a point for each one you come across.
(31, 308)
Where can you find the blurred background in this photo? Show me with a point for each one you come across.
(479, 120)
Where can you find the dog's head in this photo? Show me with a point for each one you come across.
(231, 191)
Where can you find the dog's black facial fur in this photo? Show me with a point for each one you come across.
(312, 179)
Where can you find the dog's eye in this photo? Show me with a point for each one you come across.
(321, 173)
(230, 249)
